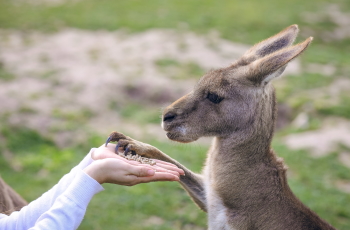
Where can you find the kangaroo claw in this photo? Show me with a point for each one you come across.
(116, 148)
(127, 150)
(108, 140)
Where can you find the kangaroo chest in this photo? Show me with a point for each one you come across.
(217, 212)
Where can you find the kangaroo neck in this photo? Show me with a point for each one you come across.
(253, 145)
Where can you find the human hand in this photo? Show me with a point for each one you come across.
(108, 151)
(108, 167)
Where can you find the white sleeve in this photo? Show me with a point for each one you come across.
(69, 208)
(28, 215)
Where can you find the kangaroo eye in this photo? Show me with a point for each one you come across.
(214, 98)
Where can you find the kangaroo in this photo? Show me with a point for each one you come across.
(243, 184)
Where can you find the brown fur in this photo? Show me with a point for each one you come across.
(244, 184)
(9, 200)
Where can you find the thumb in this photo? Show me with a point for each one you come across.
(141, 171)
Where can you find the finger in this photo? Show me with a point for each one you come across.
(133, 163)
(160, 169)
(158, 176)
(164, 163)
(103, 152)
(171, 168)
(109, 146)
(140, 171)
(144, 171)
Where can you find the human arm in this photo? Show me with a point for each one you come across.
(69, 208)
(27, 216)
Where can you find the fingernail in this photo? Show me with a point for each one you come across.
(151, 172)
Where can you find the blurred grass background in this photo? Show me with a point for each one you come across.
(165, 205)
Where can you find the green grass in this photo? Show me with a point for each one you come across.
(338, 109)
(294, 85)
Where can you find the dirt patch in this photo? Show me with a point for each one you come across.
(326, 70)
(323, 141)
(343, 185)
(154, 220)
(344, 158)
(332, 13)
(330, 95)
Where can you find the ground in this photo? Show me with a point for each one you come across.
(67, 83)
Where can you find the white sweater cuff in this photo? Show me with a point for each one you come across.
(82, 189)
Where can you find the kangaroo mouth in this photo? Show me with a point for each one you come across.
(178, 138)
(174, 133)
(179, 134)
(172, 136)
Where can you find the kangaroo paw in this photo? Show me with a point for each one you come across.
(116, 136)
(131, 149)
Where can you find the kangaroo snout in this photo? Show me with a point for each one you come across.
(169, 116)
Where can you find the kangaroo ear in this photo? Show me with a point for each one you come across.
(263, 70)
(279, 41)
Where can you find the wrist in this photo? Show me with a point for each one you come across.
(94, 171)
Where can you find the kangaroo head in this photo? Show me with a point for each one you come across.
(236, 98)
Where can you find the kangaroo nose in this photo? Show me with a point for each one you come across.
(169, 117)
